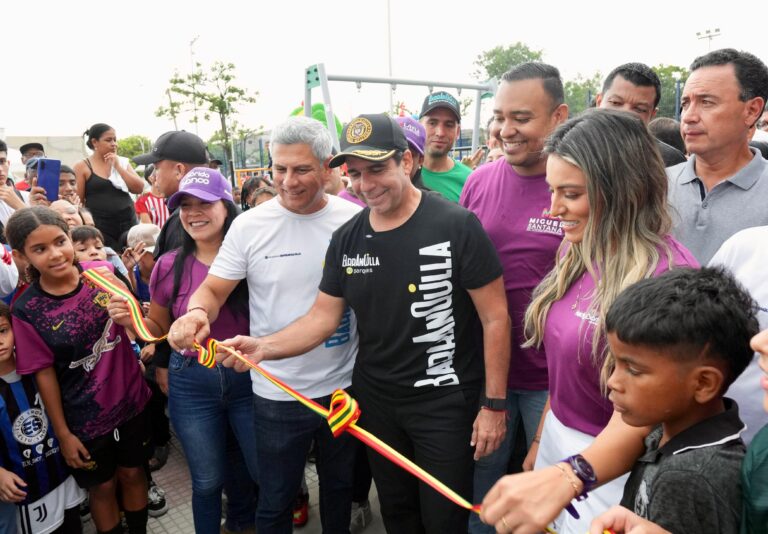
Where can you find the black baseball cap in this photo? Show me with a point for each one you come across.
(23, 148)
(183, 147)
(371, 137)
(441, 99)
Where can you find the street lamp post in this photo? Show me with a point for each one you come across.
(709, 35)
(677, 75)
(192, 66)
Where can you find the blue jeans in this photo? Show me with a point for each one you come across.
(521, 404)
(284, 432)
(202, 402)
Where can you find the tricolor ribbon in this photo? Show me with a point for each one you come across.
(342, 417)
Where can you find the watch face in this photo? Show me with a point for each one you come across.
(583, 468)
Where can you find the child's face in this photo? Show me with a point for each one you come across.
(760, 345)
(6, 340)
(649, 388)
(67, 185)
(49, 250)
(90, 250)
(147, 262)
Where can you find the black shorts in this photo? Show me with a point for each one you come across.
(126, 446)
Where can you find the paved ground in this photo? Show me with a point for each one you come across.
(174, 479)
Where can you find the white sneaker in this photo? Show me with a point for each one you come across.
(156, 504)
(361, 517)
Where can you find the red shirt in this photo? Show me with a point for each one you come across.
(154, 206)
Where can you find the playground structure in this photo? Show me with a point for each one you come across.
(241, 175)
(316, 76)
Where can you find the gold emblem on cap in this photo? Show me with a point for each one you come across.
(359, 130)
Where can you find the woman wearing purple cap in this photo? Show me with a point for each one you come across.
(201, 401)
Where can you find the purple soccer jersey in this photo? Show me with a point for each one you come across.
(99, 376)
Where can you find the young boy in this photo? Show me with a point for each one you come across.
(677, 342)
(89, 244)
(140, 260)
(33, 474)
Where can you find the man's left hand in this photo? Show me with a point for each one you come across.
(488, 431)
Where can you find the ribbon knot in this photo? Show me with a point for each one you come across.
(344, 412)
(205, 355)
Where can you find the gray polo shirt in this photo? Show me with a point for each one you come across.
(703, 220)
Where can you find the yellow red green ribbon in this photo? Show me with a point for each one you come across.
(342, 417)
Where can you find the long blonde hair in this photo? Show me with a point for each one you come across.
(628, 217)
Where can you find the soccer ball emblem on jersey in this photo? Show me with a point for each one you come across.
(30, 427)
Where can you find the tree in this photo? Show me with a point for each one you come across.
(496, 61)
(211, 91)
(580, 93)
(132, 146)
(668, 86)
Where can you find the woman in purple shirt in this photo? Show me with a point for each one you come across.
(609, 189)
(203, 402)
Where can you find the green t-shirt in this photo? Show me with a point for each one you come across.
(449, 183)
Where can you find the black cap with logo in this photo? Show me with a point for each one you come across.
(441, 99)
(371, 137)
(183, 147)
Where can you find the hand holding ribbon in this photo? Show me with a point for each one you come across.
(341, 417)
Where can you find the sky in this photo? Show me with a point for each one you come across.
(71, 64)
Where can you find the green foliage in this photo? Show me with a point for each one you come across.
(580, 92)
(496, 61)
(207, 92)
(132, 146)
(667, 74)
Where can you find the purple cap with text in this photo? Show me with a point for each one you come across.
(414, 133)
(209, 185)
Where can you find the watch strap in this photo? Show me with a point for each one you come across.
(584, 472)
(493, 404)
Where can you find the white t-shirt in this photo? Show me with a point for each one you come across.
(281, 255)
(6, 211)
(745, 254)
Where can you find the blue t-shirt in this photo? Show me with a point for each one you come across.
(142, 289)
(28, 446)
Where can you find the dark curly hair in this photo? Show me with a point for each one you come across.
(689, 314)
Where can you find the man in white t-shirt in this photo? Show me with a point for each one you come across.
(279, 247)
(10, 199)
(745, 256)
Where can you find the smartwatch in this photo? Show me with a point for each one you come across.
(584, 472)
(497, 405)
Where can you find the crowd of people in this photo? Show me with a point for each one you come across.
(588, 290)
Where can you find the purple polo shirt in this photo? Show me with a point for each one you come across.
(574, 377)
(514, 211)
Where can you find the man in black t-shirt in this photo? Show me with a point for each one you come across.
(421, 276)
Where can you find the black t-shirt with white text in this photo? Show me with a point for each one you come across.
(419, 330)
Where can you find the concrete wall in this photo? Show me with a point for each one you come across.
(69, 149)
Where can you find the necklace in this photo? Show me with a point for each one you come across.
(575, 305)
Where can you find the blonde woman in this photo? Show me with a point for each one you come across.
(609, 189)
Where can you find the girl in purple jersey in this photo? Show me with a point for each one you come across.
(88, 377)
